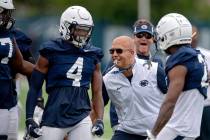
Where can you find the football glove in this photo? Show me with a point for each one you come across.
(33, 128)
(150, 136)
(98, 128)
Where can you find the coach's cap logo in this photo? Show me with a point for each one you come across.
(144, 27)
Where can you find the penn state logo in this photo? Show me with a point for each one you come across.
(143, 83)
(144, 27)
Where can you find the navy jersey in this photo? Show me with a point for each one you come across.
(69, 65)
(8, 96)
(67, 81)
(196, 68)
(6, 84)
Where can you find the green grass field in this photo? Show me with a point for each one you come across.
(22, 98)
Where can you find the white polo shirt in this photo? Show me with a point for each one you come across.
(137, 102)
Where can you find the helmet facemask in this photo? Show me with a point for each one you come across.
(6, 20)
(80, 35)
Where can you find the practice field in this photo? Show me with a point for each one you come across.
(22, 98)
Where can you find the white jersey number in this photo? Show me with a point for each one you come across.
(5, 41)
(204, 82)
(75, 72)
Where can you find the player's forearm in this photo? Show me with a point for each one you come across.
(97, 99)
(165, 113)
(36, 83)
(26, 68)
(98, 106)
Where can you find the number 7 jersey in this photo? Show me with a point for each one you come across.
(69, 65)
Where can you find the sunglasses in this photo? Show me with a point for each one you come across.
(146, 35)
(118, 50)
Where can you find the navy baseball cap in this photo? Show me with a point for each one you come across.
(144, 27)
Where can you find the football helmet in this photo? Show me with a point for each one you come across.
(76, 25)
(6, 9)
(173, 29)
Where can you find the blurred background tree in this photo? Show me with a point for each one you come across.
(116, 11)
(36, 16)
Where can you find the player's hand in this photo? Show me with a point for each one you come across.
(98, 128)
(33, 128)
(150, 136)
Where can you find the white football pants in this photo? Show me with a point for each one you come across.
(81, 131)
(9, 122)
(169, 134)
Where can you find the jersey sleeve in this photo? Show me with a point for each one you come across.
(183, 56)
(99, 55)
(46, 50)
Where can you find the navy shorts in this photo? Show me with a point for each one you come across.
(120, 135)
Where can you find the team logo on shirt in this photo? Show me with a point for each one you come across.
(143, 83)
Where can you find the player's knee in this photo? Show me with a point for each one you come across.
(3, 137)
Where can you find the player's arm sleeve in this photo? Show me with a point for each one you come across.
(36, 82)
(161, 79)
(99, 56)
(40, 92)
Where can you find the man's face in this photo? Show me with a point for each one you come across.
(143, 41)
(121, 55)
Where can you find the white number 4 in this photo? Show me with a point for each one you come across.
(75, 72)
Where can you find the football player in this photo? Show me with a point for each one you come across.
(68, 65)
(181, 112)
(11, 61)
(205, 125)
